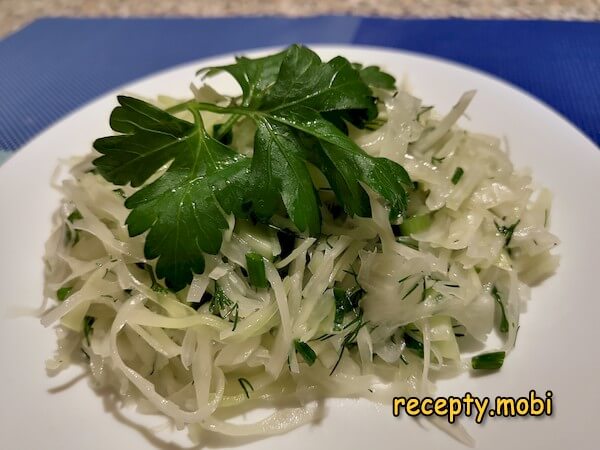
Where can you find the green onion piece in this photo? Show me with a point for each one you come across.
(458, 173)
(414, 345)
(488, 361)
(63, 293)
(256, 270)
(415, 224)
(75, 215)
(245, 386)
(307, 353)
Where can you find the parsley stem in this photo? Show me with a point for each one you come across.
(180, 107)
(226, 127)
(220, 109)
(200, 106)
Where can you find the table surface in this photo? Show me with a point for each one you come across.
(14, 14)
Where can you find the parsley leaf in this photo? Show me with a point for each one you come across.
(296, 116)
(375, 77)
(279, 166)
(254, 76)
(182, 208)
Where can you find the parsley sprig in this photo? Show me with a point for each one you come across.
(183, 208)
(301, 107)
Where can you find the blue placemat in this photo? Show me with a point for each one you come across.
(54, 65)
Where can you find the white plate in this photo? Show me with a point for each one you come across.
(557, 341)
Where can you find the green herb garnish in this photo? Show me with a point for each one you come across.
(414, 345)
(503, 320)
(488, 361)
(63, 293)
(245, 384)
(235, 309)
(346, 300)
(222, 306)
(507, 231)
(75, 215)
(88, 321)
(349, 339)
(156, 286)
(219, 302)
(295, 101)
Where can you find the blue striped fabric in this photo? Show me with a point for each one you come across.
(55, 65)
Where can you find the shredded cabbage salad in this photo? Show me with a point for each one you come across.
(371, 307)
